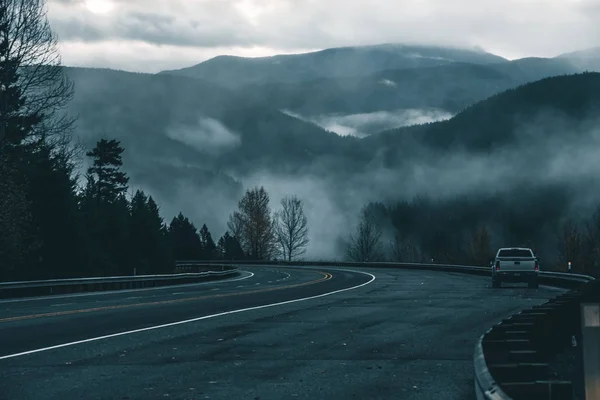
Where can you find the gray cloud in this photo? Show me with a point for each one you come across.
(217, 27)
(262, 27)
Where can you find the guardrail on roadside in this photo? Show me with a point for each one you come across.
(559, 279)
(96, 284)
(510, 359)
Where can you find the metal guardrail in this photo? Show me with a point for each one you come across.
(77, 285)
(488, 386)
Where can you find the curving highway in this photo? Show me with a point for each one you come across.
(271, 333)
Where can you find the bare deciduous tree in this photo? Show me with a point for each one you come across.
(32, 48)
(365, 243)
(291, 228)
(254, 224)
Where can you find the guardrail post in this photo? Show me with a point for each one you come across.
(590, 330)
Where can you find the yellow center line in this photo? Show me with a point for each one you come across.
(326, 276)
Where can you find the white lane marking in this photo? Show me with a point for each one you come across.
(61, 304)
(62, 296)
(187, 321)
(133, 297)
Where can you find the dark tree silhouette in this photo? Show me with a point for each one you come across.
(109, 181)
(365, 244)
(291, 228)
(229, 248)
(185, 240)
(209, 249)
(254, 225)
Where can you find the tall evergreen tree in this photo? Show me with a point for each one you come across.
(233, 249)
(139, 230)
(111, 182)
(229, 248)
(107, 211)
(17, 239)
(185, 241)
(209, 249)
(55, 211)
(221, 247)
(159, 241)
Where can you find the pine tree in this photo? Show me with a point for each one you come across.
(229, 248)
(17, 241)
(111, 182)
(209, 249)
(221, 247)
(117, 236)
(55, 210)
(139, 233)
(234, 249)
(184, 238)
(107, 212)
(168, 254)
(161, 261)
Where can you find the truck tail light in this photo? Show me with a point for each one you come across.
(537, 265)
(497, 265)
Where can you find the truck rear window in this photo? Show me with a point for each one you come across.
(515, 253)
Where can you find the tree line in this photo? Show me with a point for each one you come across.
(469, 231)
(56, 229)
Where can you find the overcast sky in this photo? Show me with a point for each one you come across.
(152, 35)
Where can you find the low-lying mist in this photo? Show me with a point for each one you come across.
(208, 136)
(550, 151)
(552, 156)
(364, 124)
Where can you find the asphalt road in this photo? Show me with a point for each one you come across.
(405, 335)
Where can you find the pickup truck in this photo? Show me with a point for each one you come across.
(515, 264)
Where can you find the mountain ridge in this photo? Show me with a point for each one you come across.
(575, 96)
(332, 62)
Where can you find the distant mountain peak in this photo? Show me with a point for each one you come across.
(338, 62)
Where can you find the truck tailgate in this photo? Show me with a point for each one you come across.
(517, 264)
